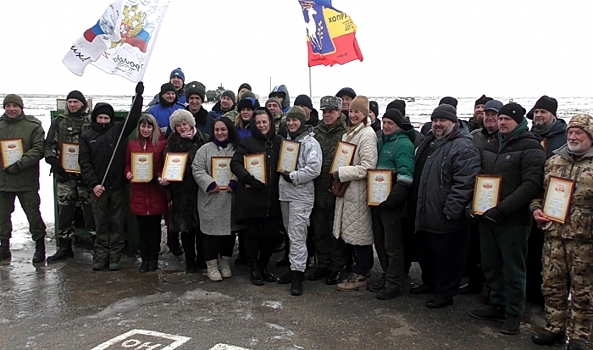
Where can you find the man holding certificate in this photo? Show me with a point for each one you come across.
(565, 217)
(21, 143)
(516, 157)
(296, 190)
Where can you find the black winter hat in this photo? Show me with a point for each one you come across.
(482, 100)
(550, 104)
(448, 100)
(400, 105)
(303, 100)
(395, 115)
(346, 91)
(444, 111)
(374, 106)
(103, 108)
(513, 110)
(77, 95)
(167, 87)
(244, 85)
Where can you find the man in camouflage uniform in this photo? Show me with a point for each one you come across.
(332, 253)
(20, 177)
(68, 127)
(568, 248)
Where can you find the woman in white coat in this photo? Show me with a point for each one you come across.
(215, 204)
(352, 218)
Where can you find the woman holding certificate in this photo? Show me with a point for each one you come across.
(257, 206)
(182, 145)
(211, 169)
(352, 218)
(148, 200)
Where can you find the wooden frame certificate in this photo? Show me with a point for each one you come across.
(486, 193)
(12, 151)
(289, 155)
(255, 164)
(174, 168)
(343, 157)
(69, 157)
(220, 169)
(142, 167)
(558, 199)
(379, 183)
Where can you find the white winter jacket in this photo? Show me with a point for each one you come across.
(302, 188)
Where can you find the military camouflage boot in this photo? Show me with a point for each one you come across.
(5, 249)
(64, 252)
(39, 255)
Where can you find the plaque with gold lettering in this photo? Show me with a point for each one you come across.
(558, 199)
(142, 167)
(174, 168)
(12, 151)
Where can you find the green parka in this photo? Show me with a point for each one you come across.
(328, 139)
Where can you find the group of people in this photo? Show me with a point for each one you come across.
(322, 210)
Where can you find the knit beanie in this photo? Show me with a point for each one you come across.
(303, 100)
(195, 88)
(396, 116)
(181, 115)
(177, 73)
(583, 122)
(12, 98)
(482, 100)
(400, 105)
(77, 95)
(444, 111)
(229, 94)
(275, 100)
(514, 111)
(374, 106)
(448, 100)
(244, 85)
(167, 87)
(360, 103)
(103, 108)
(346, 91)
(548, 103)
(297, 112)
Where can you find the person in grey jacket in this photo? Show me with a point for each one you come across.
(297, 194)
(447, 164)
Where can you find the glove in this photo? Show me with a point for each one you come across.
(254, 183)
(396, 198)
(139, 88)
(56, 167)
(13, 169)
(493, 215)
(337, 176)
(286, 176)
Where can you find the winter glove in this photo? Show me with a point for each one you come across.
(56, 167)
(337, 176)
(254, 183)
(13, 169)
(139, 88)
(493, 215)
(286, 177)
(396, 198)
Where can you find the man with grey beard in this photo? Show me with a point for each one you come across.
(447, 163)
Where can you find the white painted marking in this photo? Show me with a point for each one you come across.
(124, 342)
(226, 347)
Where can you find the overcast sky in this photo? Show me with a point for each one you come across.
(411, 47)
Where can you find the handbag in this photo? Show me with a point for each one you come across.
(337, 188)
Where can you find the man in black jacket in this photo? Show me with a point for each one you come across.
(518, 158)
(106, 178)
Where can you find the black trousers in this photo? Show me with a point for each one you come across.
(149, 233)
(364, 259)
(193, 247)
(260, 236)
(387, 231)
(535, 245)
(215, 245)
(442, 259)
(410, 242)
(473, 266)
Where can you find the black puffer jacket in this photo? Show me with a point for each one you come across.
(445, 183)
(520, 162)
(251, 202)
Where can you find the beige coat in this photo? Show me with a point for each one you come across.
(352, 216)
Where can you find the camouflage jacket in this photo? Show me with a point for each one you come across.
(579, 169)
(328, 140)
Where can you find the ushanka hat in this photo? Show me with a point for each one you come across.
(181, 115)
(330, 102)
(361, 104)
(514, 111)
(12, 98)
(548, 103)
(444, 111)
(583, 122)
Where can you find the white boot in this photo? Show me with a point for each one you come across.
(213, 272)
(225, 266)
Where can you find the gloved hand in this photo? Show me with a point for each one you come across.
(337, 176)
(254, 183)
(56, 167)
(286, 176)
(139, 88)
(13, 169)
(493, 215)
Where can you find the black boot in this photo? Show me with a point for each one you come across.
(256, 278)
(286, 278)
(144, 266)
(266, 275)
(5, 249)
(296, 287)
(64, 252)
(153, 264)
(39, 255)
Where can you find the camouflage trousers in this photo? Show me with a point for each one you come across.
(69, 193)
(109, 211)
(30, 203)
(568, 268)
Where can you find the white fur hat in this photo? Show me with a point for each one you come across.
(181, 115)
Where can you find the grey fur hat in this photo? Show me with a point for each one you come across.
(181, 115)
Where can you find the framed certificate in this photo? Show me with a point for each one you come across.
(343, 157)
(486, 193)
(174, 168)
(558, 199)
(220, 168)
(12, 151)
(289, 154)
(255, 164)
(69, 157)
(142, 167)
(379, 183)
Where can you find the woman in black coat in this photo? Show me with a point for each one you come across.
(257, 205)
